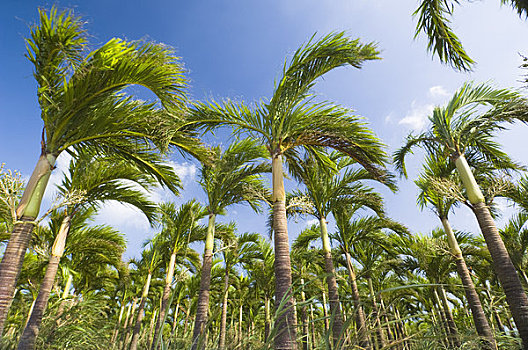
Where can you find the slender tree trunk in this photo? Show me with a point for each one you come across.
(151, 328)
(325, 314)
(200, 323)
(335, 309)
(164, 299)
(361, 324)
(175, 320)
(116, 330)
(386, 319)
(267, 319)
(123, 339)
(502, 264)
(223, 320)
(379, 330)
(450, 319)
(313, 326)
(240, 323)
(29, 336)
(27, 211)
(443, 320)
(285, 324)
(479, 317)
(137, 327)
(304, 320)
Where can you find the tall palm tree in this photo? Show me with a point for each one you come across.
(434, 20)
(327, 189)
(291, 122)
(234, 176)
(178, 230)
(463, 130)
(84, 102)
(429, 195)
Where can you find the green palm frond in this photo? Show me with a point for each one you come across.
(433, 20)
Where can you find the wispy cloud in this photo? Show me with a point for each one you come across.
(438, 92)
(416, 118)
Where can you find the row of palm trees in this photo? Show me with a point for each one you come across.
(119, 146)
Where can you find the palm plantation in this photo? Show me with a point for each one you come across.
(354, 278)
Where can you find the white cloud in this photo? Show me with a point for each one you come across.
(185, 171)
(438, 92)
(123, 217)
(416, 118)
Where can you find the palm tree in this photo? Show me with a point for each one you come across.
(292, 122)
(327, 189)
(462, 131)
(429, 195)
(178, 231)
(84, 102)
(232, 177)
(434, 21)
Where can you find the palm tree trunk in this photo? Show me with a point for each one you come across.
(313, 326)
(502, 264)
(479, 317)
(379, 330)
(202, 309)
(361, 324)
(151, 328)
(164, 299)
(223, 320)
(449, 317)
(442, 319)
(123, 339)
(137, 327)
(175, 320)
(29, 336)
(27, 211)
(325, 314)
(116, 330)
(286, 336)
(335, 309)
(304, 318)
(240, 323)
(267, 317)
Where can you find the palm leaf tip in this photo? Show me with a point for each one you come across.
(441, 40)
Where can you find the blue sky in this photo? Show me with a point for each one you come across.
(236, 49)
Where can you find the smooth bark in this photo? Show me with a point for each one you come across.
(27, 211)
(304, 319)
(141, 314)
(164, 300)
(380, 335)
(285, 324)
(455, 339)
(477, 312)
(502, 264)
(361, 324)
(223, 320)
(202, 308)
(335, 308)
